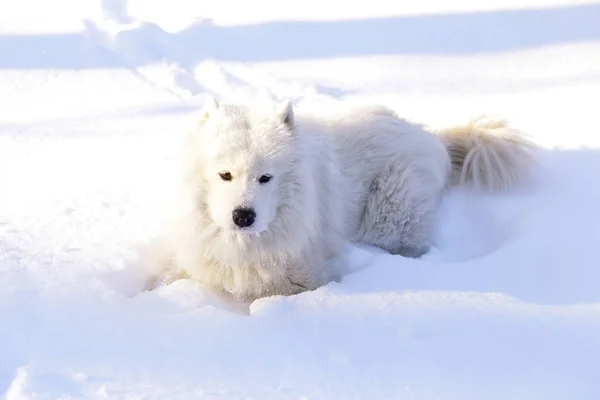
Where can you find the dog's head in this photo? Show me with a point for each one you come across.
(245, 155)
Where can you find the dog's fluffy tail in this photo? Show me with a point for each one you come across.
(487, 154)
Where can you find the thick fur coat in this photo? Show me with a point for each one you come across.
(268, 198)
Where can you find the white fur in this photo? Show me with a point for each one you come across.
(361, 174)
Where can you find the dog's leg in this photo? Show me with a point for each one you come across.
(399, 215)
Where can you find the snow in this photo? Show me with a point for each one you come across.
(95, 97)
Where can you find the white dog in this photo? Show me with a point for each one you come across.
(269, 198)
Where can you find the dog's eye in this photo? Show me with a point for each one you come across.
(226, 176)
(264, 179)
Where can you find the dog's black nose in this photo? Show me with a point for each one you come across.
(243, 217)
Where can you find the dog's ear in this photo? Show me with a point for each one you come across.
(210, 106)
(286, 113)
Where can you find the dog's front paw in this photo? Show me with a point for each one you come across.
(165, 278)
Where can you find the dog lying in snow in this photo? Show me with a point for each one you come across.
(269, 196)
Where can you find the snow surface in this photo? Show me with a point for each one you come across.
(95, 97)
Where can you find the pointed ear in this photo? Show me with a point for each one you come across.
(286, 113)
(210, 106)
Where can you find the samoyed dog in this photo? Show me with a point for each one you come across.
(269, 197)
